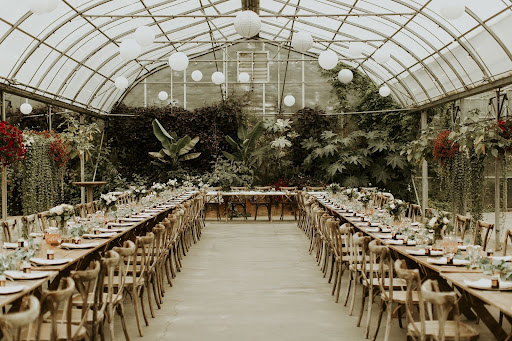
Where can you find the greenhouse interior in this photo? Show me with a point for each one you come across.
(256, 170)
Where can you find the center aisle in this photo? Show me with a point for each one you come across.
(252, 281)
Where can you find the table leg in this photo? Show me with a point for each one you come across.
(270, 209)
(90, 194)
(487, 318)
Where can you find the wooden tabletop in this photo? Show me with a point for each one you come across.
(89, 183)
(77, 255)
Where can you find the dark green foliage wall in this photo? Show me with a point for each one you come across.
(131, 138)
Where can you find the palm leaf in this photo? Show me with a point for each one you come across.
(159, 131)
(188, 147)
(190, 156)
(395, 160)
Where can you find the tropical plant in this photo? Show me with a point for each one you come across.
(227, 173)
(246, 150)
(174, 150)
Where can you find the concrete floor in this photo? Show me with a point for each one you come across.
(251, 281)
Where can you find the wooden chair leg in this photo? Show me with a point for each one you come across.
(379, 320)
(349, 286)
(141, 296)
(340, 275)
(136, 309)
(354, 292)
(335, 283)
(120, 310)
(363, 299)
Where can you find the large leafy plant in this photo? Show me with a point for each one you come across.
(174, 149)
(246, 150)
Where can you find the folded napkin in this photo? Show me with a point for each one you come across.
(111, 230)
(385, 230)
(372, 229)
(411, 242)
(120, 224)
(444, 261)
(416, 252)
(462, 247)
(44, 261)
(485, 283)
(384, 235)
(394, 242)
(101, 235)
(78, 246)
(10, 245)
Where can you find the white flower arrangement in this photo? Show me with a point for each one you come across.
(158, 187)
(173, 183)
(396, 207)
(62, 213)
(351, 193)
(108, 201)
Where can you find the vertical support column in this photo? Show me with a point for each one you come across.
(185, 89)
(279, 78)
(424, 170)
(497, 208)
(226, 72)
(264, 101)
(172, 86)
(82, 167)
(50, 118)
(303, 84)
(146, 93)
(4, 171)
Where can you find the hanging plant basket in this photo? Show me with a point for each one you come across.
(12, 148)
(444, 148)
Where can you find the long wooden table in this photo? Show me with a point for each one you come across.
(80, 258)
(271, 194)
(475, 299)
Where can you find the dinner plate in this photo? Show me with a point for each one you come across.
(503, 258)
(134, 219)
(485, 284)
(120, 224)
(11, 289)
(14, 274)
(416, 252)
(10, 245)
(111, 230)
(372, 230)
(100, 235)
(385, 230)
(394, 242)
(78, 246)
(44, 261)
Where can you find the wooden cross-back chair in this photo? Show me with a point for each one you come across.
(215, 200)
(289, 200)
(462, 225)
(9, 229)
(238, 201)
(483, 229)
(263, 201)
(14, 325)
(414, 212)
(357, 269)
(60, 325)
(32, 223)
(340, 234)
(508, 236)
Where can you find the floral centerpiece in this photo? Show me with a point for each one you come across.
(172, 184)
(351, 193)
(440, 223)
(138, 191)
(334, 188)
(395, 208)
(365, 199)
(158, 188)
(12, 148)
(108, 202)
(62, 214)
(444, 148)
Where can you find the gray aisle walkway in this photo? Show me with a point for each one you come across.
(251, 281)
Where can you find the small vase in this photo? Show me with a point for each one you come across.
(437, 237)
(63, 227)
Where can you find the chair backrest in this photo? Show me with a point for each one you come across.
(380, 258)
(315, 188)
(51, 302)
(484, 229)
(443, 303)
(508, 235)
(359, 253)
(12, 323)
(239, 188)
(159, 249)
(262, 188)
(413, 281)
(462, 224)
(9, 228)
(127, 254)
(288, 188)
(86, 282)
(110, 262)
(144, 247)
(414, 212)
(31, 224)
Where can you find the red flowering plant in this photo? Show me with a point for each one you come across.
(12, 148)
(444, 148)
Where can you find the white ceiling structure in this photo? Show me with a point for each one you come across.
(70, 57)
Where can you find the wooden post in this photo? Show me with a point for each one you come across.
(4, 170)
(303, 98)
(497, 209)
(82, 167)
(424, 170)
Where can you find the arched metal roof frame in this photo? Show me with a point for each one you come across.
(376, 71)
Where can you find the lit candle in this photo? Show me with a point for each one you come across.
(50, 254)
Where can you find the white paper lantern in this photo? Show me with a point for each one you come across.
(144, 36)
(382, 56)
(51, 5)
(26, 108)
(355, 49)
(197, 75)
(345, 76)
(328, 59)
(178, 61)
(162, 95)
(129, 49)
(302, 41)
(218, 77)
(453, 9)
(247, 24)
(121, 83)
(38, 6)
(289, 100)
(244, 77)
(384, 91)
